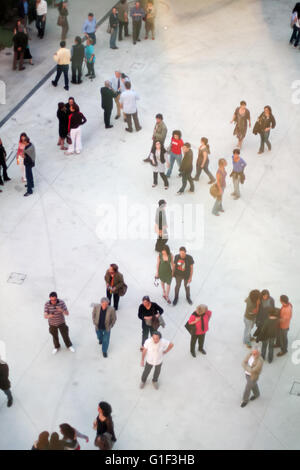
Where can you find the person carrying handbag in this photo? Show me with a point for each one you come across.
(115, 285)
(200, 318)
(149, 312)
(219, 187)
(265, 123)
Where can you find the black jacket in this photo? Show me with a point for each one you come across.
(77, 54)
(20, 40)
(297, 9)
(113, 20)
(269, 330)
(4, 372)
(154, 310)
(107, 96)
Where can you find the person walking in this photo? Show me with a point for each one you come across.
(241, 118)
(161, 226)
(237, 174)
(158, 161)
(220, 187)
(70, 437)
(77, 57)
(159, 133)
(164, 270)
(104, 425)
(183, 271)
(20, 42)
(149, 312)
(268, 333)
(76, 120)
(128, 101)
(90, 58)
(295, 24)
(62, 117)
(203, 161)
(115, 285)
(3, 164)
(43, 442)
(252, 309)
(104, 318)
(175, 151)
(107, 96)
(200, 318)
(252, 365)
(286, 313)
(150, 20)
(55, 312)
(153, 351)
(265, 122)
(89, 28)
(63, 58)
(41, 14)
(186, 168)
(113, 23)
(122, 8)
(137, 14)
(29, 163)
(62, 19)
(5, 382)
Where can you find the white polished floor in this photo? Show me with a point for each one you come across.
(207, 56)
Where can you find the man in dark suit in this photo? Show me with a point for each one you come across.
(107, 96)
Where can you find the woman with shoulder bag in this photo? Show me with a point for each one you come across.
(200, 318)
(266, 123)
(114, 284)
(218, 188)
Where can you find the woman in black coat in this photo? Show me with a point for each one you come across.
(62, 116)
(77, 60)
(265, 122)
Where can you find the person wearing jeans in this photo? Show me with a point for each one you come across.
(252, 365)
(266, 122)
(286, 313)
(114, 284)
(238, 166)
(153, 351)
(5, 383)
(252, 308)
(63, 59)
(113, 22)
(41, 12)
(29, 163)
(221, 184)
(186, 168)
(175, 151)
(104, 318)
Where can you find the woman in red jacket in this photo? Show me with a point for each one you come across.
(200, 318)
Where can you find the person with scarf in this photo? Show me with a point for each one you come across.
(4, 382)
(200, 318)
(29, 163)
(158, 161)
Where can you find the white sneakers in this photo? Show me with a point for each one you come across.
(54, 351)
(71, 349)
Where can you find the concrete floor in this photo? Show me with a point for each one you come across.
(206, 58)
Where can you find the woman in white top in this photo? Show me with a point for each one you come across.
(158, 161)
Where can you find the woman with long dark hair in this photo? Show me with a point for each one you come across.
(42, 443)
(70, 436)
(241, 117)
(265, 122)
(158, 161)
(203, 161)
(62, 116)
(103, 424)
(164, 269)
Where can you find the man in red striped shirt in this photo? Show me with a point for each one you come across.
(55, 312)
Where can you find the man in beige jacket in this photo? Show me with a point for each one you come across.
(63, 59)
(104, 318)
(252, 365)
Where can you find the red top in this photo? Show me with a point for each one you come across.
(176, 145)
(206, 318)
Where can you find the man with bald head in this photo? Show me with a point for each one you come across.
(107, 96)
(104, 318)
(252, 365)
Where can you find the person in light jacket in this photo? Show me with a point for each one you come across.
(252, 365)
(200, 318)
(104, 318)
(114, 284)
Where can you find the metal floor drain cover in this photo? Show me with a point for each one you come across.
(295, 390)
(16, 278)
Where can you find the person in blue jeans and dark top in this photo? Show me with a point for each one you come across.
(237, 174)
(113, 23)
(104, 318)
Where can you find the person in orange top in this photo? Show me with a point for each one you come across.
(286, 312)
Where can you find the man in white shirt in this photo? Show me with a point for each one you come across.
(252, 365)
(41, 13)
(63, 59)
(153, 350)
(128, 101)
(118, 86)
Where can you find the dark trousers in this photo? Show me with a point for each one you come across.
(205, 169)
(8, 394)
(136, 28)
(116, 297)
(17, 54)
(4, 168)
(123, 24)
(269, 343)
(178, 285)
(90, 67)
(147, 371)
(64, 331)
(295, 36)
(65, 70)
(76, 72)
(93, 37)
(40, 26)
(187, 177)
(135, 119)
(283, 337)
(107, 114)
(163, 177)
(194, 339)
(147, 330)
(264, 139)
(29, 178)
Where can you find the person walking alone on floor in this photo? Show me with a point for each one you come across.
(128, 101)
(186, 169)
(164, 270)
(153, 351)
(265, 122)
(203, 161)
(77, 53)
(252, 365)
(55, 312)
(29, 163)
(63, 59)
(175, 152)
(158, 161)
(104, 318)
(115, 285)
(237, 174)
(221, 185)
(76, 120)
(5, 383)
(241, 117)
(200, 318)
(183, 271)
